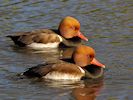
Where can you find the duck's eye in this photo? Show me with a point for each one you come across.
(91, 56)
(76, 28)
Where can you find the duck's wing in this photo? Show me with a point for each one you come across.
(37, 36)
(21, 39)
(38, 71)
(54, 70)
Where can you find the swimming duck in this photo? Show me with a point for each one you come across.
(68, 34)
(68, 69)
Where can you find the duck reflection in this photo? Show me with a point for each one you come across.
(89, 91)
(66, 53)
(47, 54)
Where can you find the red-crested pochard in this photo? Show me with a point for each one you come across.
(72, 69)
(68, 34)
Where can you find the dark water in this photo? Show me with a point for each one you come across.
(107, 23)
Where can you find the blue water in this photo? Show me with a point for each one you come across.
(107, 24)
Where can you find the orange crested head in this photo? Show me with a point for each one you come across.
(85, 55)
(70, 27)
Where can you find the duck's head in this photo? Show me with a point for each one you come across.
(70, 27)
(85, 55)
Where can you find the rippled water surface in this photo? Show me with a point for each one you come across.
(107, 23)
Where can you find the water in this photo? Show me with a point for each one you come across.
(107, 24)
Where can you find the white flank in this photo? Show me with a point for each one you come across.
(60, 38)
(61, 76)
(82, 71)
(47, 45)
(41, 45)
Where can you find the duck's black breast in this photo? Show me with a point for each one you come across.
(93, 71)
(72, 42)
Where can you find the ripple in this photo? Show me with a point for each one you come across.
(107, 24)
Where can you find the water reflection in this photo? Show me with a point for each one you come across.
(89, 91)
(66, 53)
(48, 54)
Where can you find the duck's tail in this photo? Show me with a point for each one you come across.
(15, 39)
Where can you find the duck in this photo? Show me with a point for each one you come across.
(67, 35)
(66, 69)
